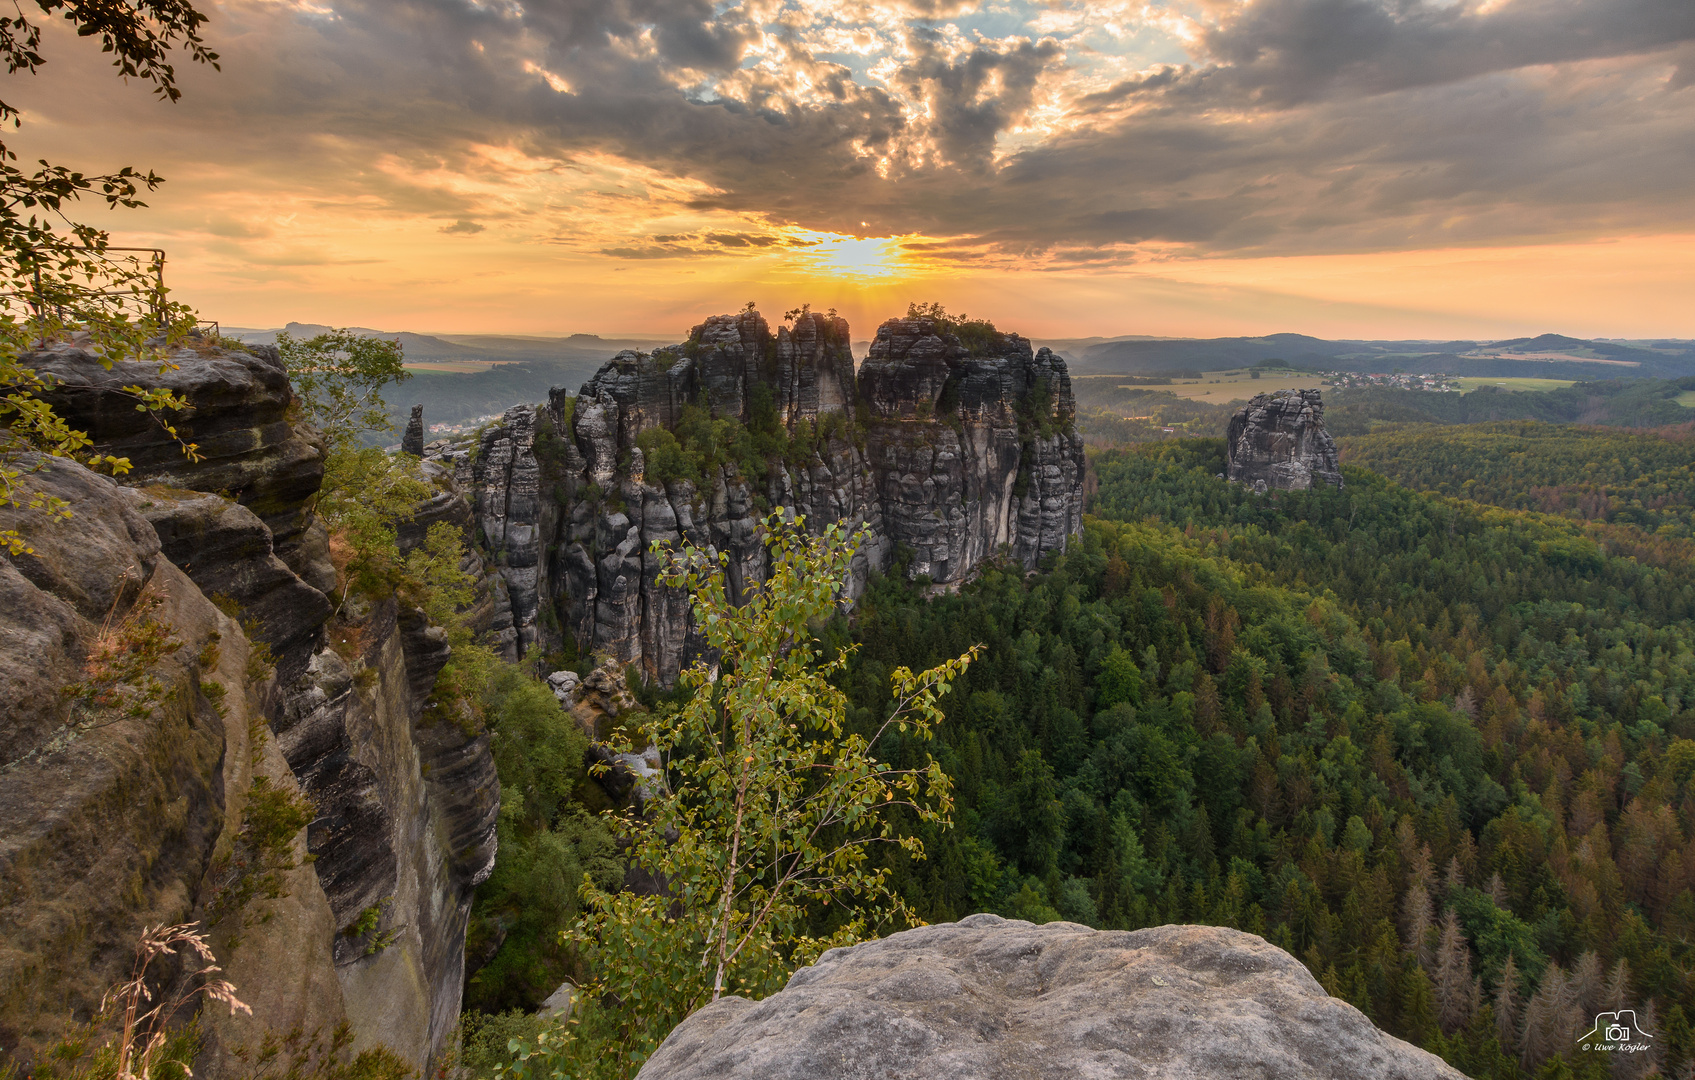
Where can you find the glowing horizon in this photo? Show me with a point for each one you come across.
(1172, 168)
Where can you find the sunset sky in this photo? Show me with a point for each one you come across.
(1360, 168)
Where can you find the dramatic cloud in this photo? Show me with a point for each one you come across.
(1007, 134)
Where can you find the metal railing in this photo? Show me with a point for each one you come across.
(150, 301)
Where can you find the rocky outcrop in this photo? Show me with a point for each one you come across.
(973, 449)
(1278, 441)
(406, 802)
(413, 441)
(405, 825)
(132, 737)
(950, 452)
(988, 998)
(515, 515)
(239, 424)
(227, 551)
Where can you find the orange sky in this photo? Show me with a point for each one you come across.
(1491, 168)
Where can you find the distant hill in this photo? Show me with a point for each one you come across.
(525, 368)
(1545, 356)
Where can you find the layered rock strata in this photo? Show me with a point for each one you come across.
(406, 804)
(1278, 441)
(132, 736)
(945, 452)
(413, 441)
(239, 423)
(988, 998)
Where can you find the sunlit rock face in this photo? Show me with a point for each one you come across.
(945, 453)
(1278, 441)
(974, 449)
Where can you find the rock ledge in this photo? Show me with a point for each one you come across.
(991, 998)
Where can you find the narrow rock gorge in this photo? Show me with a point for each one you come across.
(946, 452)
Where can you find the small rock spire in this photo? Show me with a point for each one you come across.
(413, 441)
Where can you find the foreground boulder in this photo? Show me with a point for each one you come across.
(1278, 441)
(987, 998)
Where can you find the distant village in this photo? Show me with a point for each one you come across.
(1350, 380)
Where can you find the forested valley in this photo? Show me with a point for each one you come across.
(1439, 751)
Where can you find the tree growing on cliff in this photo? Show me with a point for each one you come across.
(773, 804)
(338, 379)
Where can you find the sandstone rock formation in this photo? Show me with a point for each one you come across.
(413, 441)
(947, 452)
(407, 803)
(987, 998)
(127, 754)
(240, 423)
(1278, 441)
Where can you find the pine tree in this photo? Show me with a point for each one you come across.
(1551, 1017)
(1587, 986)
(1417, 922)
(1418, 1012)
(1507, 1007)
(1497, 890)
(1455, 988)
(1454, 878)
(1616, 996)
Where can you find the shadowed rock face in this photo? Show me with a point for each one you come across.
(950, 452)
(407, 804)
(1278, 441)
(988, 998)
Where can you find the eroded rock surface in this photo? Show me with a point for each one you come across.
(1278, 441)
(407, 803)
(131, 739)
(248, 447)
(988, 998)
(954, 453)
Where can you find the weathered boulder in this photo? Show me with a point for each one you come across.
(1278, 441)
(987, 998)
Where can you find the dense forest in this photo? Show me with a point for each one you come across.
(1617, 402)
(1641, 478)
(1112, 410)
(1439, 751)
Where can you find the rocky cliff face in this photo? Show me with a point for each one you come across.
(1278, 441)
(988, 998)
(405, 809)
(949, 452)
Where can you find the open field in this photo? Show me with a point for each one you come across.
(1686, 399)
(1517, 384)
(462, 367)
(1220, 387)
